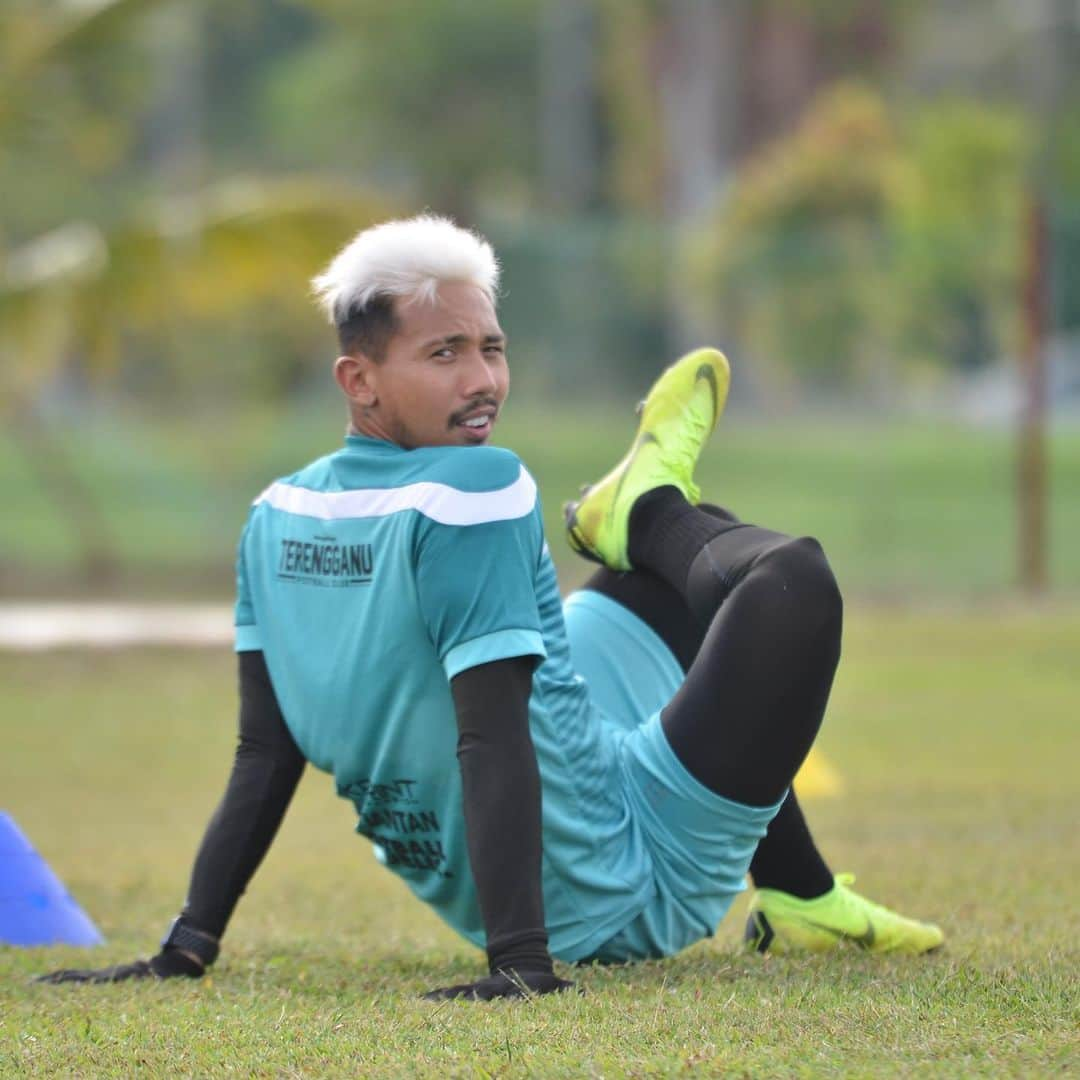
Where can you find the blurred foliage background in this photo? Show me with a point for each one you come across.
(841, 193)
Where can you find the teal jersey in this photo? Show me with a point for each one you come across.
(369, 580)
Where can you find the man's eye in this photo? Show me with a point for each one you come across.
(443, 354)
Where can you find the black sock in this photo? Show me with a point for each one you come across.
(787, 858)
(666, 534)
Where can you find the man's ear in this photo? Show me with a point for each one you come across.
(355, 376)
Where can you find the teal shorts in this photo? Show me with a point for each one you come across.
(699, 843)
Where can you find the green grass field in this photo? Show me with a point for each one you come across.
(901, 508)
(955, 732)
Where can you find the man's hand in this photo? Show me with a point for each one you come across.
(168, 964)
(503, 984)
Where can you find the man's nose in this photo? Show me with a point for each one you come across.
(479, 376)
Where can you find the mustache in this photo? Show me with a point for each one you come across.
(480, 403)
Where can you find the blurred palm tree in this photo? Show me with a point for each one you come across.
(78, 292)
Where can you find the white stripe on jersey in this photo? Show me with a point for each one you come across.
(440, 502)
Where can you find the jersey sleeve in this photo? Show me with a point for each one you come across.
(247, 631)
(476, 585)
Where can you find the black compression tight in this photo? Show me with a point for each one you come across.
(759, 685)
(759, 672)
(754, 696)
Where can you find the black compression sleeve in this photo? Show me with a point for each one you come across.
(266, 771)
(501, 789)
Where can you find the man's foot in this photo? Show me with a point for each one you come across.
(678, 415)
(783, 923)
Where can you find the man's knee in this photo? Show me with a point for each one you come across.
(799, 570)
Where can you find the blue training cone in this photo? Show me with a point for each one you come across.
(35, 908)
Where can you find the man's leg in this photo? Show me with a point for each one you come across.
(771, 613)
(787, 858)
(753, 700)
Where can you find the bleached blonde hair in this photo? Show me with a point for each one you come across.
(409, 257)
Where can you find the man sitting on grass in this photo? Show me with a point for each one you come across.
(589, 780)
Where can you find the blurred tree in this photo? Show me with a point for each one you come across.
(795, 261)
(1065, 179)
(691, 86)
(82, 303)
(71, 81)
(635, 160)
(91, 297)
(858, 243)
(84, 290)
(420, 96)
(59, 127)
(959, 224)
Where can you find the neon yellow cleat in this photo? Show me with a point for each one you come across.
(781, 923)
(677, 417)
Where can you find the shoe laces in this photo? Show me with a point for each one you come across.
(683, 453)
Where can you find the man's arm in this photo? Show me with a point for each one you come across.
(501, 791)
(265, 774)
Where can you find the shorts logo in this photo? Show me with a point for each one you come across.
(324, 562)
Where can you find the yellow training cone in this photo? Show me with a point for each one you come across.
(817, 778)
